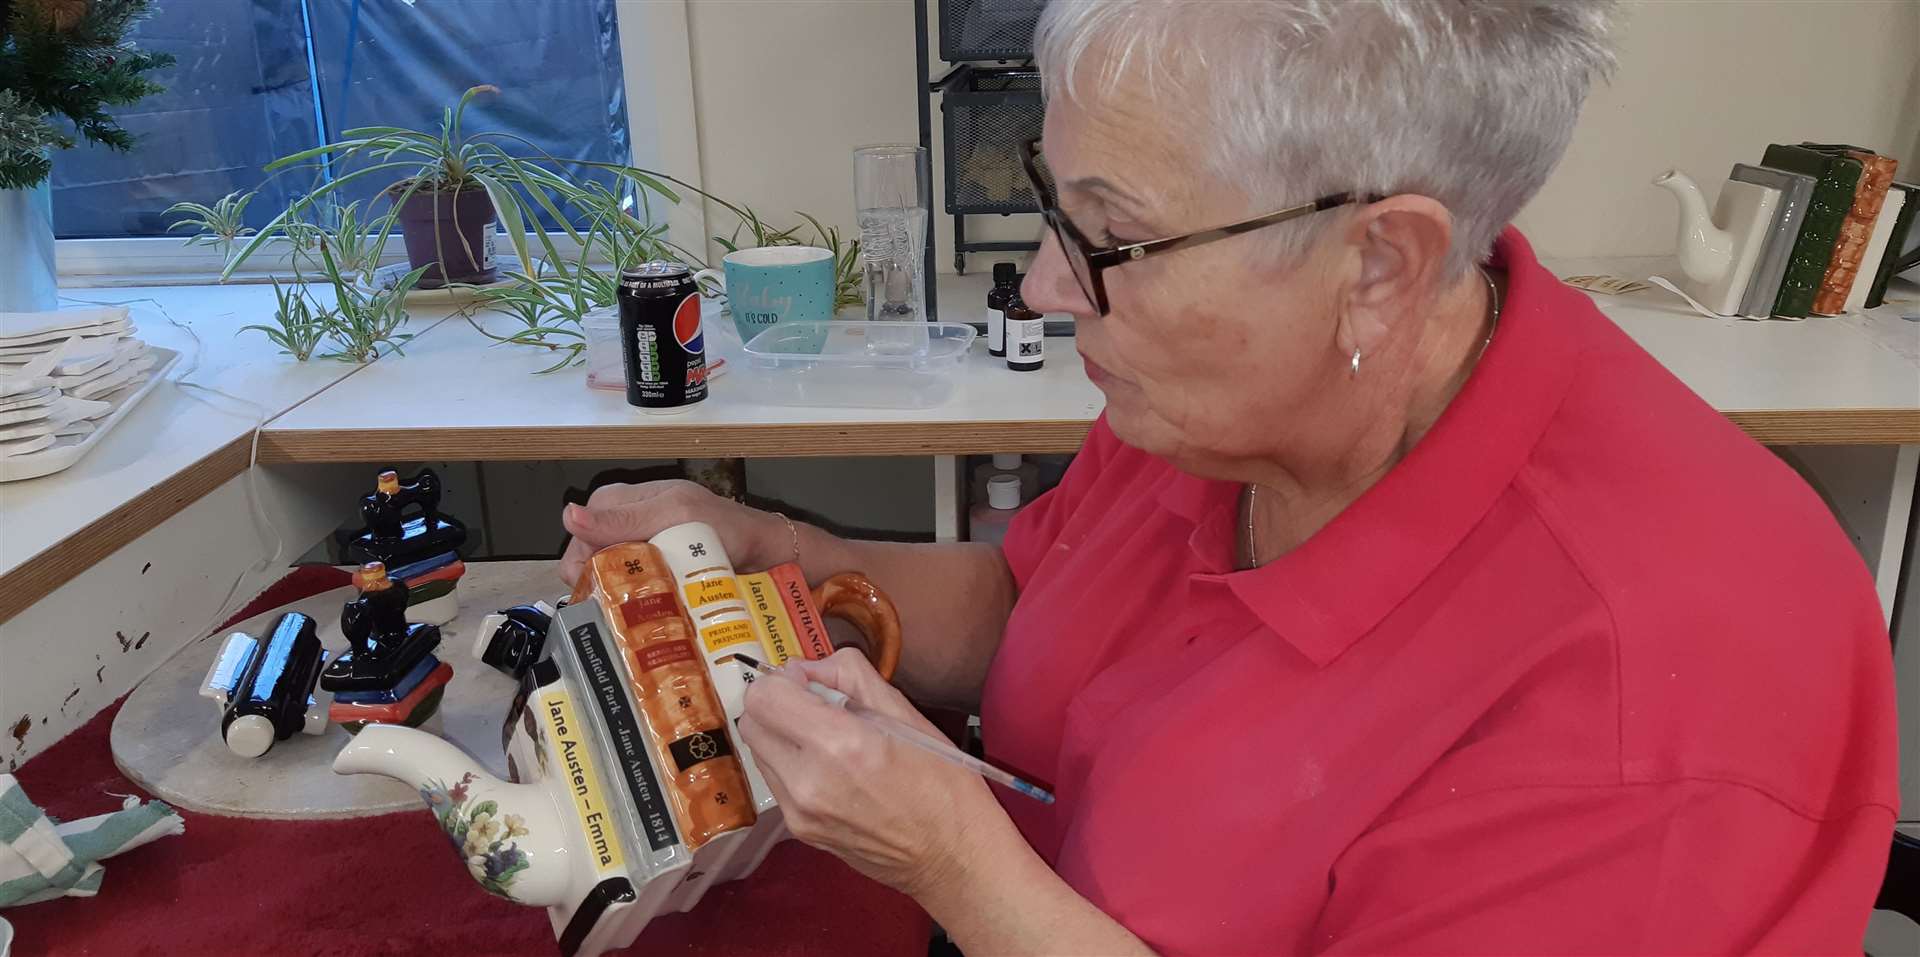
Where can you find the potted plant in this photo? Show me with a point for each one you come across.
(450, 186)
(64, 59)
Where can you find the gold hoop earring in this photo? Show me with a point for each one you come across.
(1356, 361)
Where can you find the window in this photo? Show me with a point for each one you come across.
(259, 79)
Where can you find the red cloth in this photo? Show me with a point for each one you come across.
(389, 884)
(1588, 670)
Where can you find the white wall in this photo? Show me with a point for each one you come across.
(783, 92)
(1702, 86)
(785, 89)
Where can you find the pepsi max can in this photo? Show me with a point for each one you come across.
(660, 341)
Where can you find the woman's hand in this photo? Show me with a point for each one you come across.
(633, 513)
(894, 812)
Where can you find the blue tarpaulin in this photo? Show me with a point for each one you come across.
(245, 91)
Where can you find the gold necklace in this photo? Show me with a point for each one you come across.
(1493, 300)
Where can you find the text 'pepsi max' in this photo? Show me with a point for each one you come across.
(660, 339)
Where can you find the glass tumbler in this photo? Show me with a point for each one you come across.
(891, 198)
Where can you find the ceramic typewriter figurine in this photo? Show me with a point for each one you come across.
(265, 688)
(407, 532)
(390, 675)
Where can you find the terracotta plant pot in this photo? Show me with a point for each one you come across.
(451, 224)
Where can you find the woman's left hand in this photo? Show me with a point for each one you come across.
(894, 812)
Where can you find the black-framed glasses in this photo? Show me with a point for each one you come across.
(1090, 261)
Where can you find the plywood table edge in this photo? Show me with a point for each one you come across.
(38, 576)
(1830, 426)
(520, 443)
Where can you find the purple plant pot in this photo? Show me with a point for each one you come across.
(451, 224)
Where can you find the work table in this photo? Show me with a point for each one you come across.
(456, 395)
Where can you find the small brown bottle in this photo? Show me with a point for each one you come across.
(1026, 336)
(1006, 285)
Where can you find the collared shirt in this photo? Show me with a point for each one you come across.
(1588, 670)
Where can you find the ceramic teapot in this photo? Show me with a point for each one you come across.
(1718, 251)
(631, 792)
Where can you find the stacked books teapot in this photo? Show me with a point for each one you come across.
(631, 791)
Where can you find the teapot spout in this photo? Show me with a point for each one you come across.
(1706, 250)
(507, 835)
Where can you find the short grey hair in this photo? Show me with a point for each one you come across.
(1469, 102)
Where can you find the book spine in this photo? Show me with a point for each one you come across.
(1856, 229)
(1896, 245)
(674, 691)
(595, 663)
(575, 753)
(1833, 189)
(1771, 271)
(807, 623)
(710, 596)
(1883, 224)
(770, 621)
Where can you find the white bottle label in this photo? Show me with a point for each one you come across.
(996, 330)
(1025, 340)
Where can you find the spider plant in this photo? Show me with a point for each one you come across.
(622, 236)
(364, 320)
(449, 160)
(358, 246)
(299, 324)
(548, 311)
(846, 263)
(219, 225)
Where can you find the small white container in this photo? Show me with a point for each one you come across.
(868, 365)
(988, 521)
(605, 367)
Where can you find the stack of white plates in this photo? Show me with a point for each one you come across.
(61, 372)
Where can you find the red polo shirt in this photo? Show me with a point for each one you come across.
(1588, 671)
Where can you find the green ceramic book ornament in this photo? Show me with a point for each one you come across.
(1835, 180)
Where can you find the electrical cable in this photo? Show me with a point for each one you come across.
(263, 527)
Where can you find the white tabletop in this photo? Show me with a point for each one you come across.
(456, 394)
(1851, 379)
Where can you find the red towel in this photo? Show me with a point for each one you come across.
(389, 884)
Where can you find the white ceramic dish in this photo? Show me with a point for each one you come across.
(70, 449)
(867, 365)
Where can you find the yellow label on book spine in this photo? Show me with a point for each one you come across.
(569, 743)
(770, 618)
(703, 593)
(726, 634)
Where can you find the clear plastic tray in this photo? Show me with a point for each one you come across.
(868, 365)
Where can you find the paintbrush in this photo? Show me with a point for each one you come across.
(893, 728)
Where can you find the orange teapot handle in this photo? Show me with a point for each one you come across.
(854, 599)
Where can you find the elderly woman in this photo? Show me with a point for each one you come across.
(1398, 602)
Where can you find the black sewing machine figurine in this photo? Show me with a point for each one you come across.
(397, 535)
(420, 546)
(390, 675)
(265, 689)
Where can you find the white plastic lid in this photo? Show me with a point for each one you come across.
(1003, 492)
(1006, 461)
(250, 735)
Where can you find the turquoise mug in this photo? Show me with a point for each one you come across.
(769, 285)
